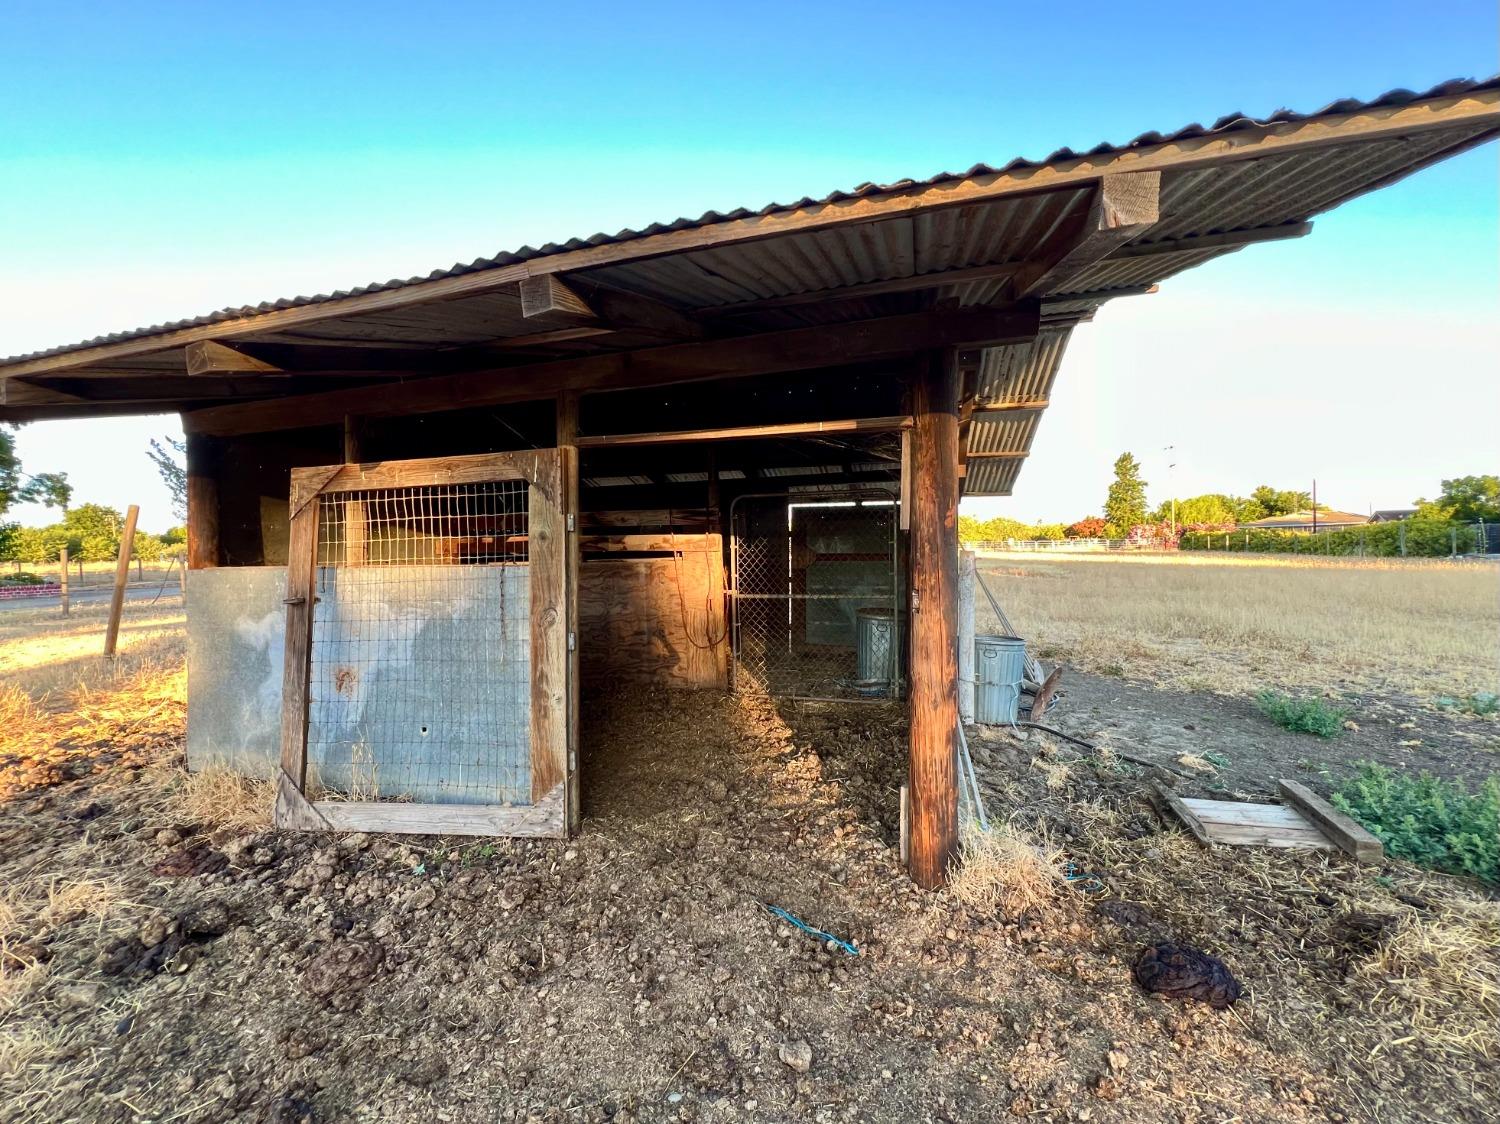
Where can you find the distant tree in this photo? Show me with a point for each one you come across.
(172, 536)
(95, 532)
(49, 488)
(37, 546)
(1275, 502)
(1090, 528)
(1466, 499)
(173, 471)
(1125, 504)
(1210, 510)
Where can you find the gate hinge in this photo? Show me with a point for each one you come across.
(572, 641)
(571, 525)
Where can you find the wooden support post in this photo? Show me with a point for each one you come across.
(933, 761)
(63, 582)
(567, 437)
(355, 533)
(202, 502)
(122, 575)
(966, 573)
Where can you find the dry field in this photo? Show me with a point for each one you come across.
(51, 657)
(1242, 624)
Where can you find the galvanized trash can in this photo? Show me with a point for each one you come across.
(999, 667)
(874, 650)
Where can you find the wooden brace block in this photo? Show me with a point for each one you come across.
(294, 812)
(1342, 830)
(547, 293)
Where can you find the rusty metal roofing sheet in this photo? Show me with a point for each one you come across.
(992, 476)
(840, 257)
(1003, 431)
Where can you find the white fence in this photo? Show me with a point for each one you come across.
(1063, 546)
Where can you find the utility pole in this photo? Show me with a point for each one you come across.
(1171, 464)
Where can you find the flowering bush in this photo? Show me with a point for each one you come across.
(1091, 528)
(1157, 535)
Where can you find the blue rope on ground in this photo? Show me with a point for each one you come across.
(847, 946)
(1087, 881)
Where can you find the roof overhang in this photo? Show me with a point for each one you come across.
(887, 267)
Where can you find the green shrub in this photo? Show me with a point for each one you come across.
(1436, 823)
(23, 578)
(1302, 716)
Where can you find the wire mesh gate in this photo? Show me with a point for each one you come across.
(816, 595)
(427, 683)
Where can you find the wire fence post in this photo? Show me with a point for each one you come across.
(122, 575)
(62, 584)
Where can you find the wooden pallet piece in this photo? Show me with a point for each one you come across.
(1348, 835)
(1186, 815)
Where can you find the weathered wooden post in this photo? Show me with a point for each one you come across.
(202, 503)
(122, 575)
(63, 580)
(933, 742)
(356, 546)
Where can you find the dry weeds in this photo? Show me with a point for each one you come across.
(1007, 871)
(1235, 625)
(220, 799)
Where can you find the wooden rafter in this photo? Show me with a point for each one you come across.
(829, 345)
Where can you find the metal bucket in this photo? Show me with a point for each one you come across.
(874, 649)
(999, 666)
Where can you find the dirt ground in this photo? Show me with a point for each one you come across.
(1164, 725)
(166, 958)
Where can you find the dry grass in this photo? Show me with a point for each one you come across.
(1235, 625)
(1007, 871)
(1441, 974)
(222, 799)
(49, 657)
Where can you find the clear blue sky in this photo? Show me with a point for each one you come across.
(162, 160)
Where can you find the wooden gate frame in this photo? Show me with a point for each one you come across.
(553, 575)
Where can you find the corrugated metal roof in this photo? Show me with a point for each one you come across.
(844, 257)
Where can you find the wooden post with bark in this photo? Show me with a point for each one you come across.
(122, 575)
(202, 502)
(933, 755)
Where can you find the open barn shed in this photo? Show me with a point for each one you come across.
(430, 519)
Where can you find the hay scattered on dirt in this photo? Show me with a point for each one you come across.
(1005, 872)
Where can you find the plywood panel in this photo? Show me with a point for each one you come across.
(656, 620)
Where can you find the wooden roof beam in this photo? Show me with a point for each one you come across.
(798, 349)
(1230, 240)
(1124, 206)
(872, 288)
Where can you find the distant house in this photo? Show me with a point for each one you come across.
(1392, 514)
(1307, 521)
